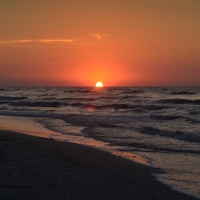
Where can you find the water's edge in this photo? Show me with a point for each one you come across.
(31, 127)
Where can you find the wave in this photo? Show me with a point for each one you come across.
(147, 108)
(82, 105)
(133, 107)
(72, 99)
(182, 93)
(4, 102)
(122, 106)
(58, 104)
(80, 91)
(82, 99)
(152, 148)
(115, 106)
(193, 121)
(165, 117)
(80, 102)
(139, 110)
(179, 135)
(3, 98)
(132, 92)
(126, 97)
(102, 124)
(179, 101)
(194, 112)
(37, 104)
(152, 107)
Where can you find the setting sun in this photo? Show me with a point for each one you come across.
(99, 84)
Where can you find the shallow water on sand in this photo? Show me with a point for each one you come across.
(162, 125)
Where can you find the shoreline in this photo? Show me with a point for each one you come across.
(32, 167)
(31, 127)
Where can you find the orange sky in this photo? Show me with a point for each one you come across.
(118, 42)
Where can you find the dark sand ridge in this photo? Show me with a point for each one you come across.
(37, 168)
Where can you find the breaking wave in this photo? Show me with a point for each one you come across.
(179, 135)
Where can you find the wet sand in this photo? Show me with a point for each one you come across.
(40, 168)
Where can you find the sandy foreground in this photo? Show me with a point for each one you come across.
(38, 168)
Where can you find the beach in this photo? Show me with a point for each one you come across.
(100, 99)
(40, 168)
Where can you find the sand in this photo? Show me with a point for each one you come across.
(40, 168)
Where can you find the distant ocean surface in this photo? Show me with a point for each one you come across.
(160, 124)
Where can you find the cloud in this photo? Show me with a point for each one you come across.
(99, 36)
(79, 41)
(15, 41)
(7, 42)
(55, 40)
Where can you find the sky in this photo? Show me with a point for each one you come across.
(118, 42)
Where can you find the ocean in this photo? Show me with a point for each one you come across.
(157, 126)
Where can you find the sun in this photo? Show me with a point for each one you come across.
(99, 84)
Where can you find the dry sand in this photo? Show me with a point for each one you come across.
(37, 168)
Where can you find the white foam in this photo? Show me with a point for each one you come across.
(173, 187)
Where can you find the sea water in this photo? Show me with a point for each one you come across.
(155, 125)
